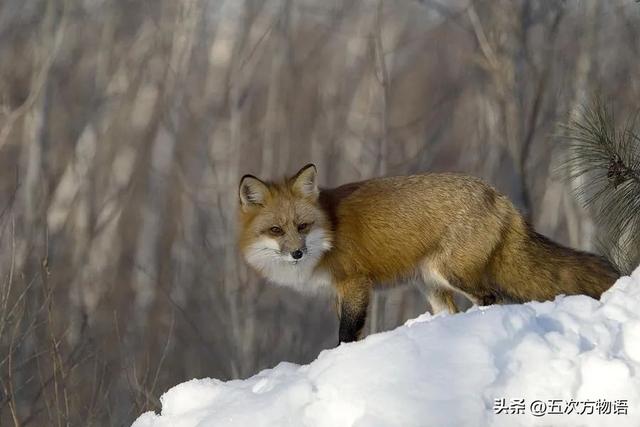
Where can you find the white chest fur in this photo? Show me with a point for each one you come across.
(300, 277)
(264, 255)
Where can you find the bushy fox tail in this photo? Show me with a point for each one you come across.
(528, 266)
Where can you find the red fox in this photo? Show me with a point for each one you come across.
(454, 231)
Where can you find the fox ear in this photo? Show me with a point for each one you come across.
(253, 192)
(304, 182)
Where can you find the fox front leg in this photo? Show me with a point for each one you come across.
(352, 303)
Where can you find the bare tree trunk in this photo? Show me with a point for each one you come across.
(557, 199)
(580, 225)
(162, 153)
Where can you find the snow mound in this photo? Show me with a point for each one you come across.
(447, 370)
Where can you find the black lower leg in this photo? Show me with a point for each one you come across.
(351, 323)
(353, 299)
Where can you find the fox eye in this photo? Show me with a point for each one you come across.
(275, 230)
(303, 226)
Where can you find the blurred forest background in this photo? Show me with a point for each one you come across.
(125, 126)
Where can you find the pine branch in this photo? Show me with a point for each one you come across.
(607, 162)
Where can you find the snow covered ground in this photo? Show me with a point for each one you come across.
(573, 355)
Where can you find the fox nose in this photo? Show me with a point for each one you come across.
(297, 254)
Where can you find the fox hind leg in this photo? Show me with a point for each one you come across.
(438, 290)
(441, 299)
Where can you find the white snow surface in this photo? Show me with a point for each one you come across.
(444, 370)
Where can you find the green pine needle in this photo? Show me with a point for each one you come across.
(608, 163)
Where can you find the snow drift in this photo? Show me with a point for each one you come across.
(445, 370)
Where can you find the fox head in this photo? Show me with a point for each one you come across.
(284, 232)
